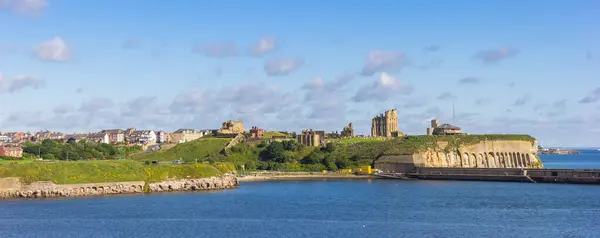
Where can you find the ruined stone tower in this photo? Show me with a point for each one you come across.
(385, 124)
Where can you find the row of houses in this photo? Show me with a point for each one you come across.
(108, 136)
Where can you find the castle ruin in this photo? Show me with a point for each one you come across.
(231, 128)
(386, 125)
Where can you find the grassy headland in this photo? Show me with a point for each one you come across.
(73, 172)
(201, 149)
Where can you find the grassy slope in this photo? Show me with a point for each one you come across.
(198, 149)
(104, 171)
(270, 134)
(413, 144)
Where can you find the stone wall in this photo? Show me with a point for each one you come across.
(14, 188)
(227, 181)
(485, 154)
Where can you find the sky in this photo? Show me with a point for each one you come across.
(525, 67)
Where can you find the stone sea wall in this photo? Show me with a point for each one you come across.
(484, 154)
(227, 181)
(14, 188)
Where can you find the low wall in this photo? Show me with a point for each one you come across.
(576, 176)
(14, 188)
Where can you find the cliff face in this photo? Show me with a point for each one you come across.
(483, 154)
(14, 188)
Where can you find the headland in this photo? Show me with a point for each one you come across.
(190, 160)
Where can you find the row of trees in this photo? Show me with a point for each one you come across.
(57, 150)
(289, 155)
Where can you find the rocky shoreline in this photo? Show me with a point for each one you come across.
(13, 188)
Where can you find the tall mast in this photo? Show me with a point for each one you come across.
(453, 115)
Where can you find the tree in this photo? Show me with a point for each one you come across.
(342, 163)
(250, 165)
(329, 147)
(290, 145)
(314, 157)
(273, 152)
(330, 163)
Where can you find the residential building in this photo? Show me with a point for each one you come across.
(115, 135)
(11, 151)
(98, 138)
(256, 132)
(385, 125)
(143, 137)
(43, 135)
(75, 137)
(17, 137)
(162, 137)
(5, 139)
(185, 135)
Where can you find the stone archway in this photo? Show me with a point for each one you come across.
(466, 160)
(482, 161)
(500, 159)
(492, 159)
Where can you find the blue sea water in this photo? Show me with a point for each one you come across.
(360, 208)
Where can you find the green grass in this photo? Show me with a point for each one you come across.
(6, 161)
(105, 171)
(414, 144)
(357, 140)
(200, 149)
(270, 134)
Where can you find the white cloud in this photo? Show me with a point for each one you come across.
(12, 85)
(53, 50)
(281, 66)
(265, 45)
(379, 60)
(382, 89)
(24, 6)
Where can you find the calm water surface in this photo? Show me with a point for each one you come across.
(379, 208)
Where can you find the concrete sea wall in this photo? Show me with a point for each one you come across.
(484, 154)
(14, 188)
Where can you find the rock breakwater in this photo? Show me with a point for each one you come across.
(14, 188)
(226, 181)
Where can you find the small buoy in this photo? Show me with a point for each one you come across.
(363, 225)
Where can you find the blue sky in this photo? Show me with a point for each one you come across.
(509, 66)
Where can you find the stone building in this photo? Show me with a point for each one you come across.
(385, 125)
(348, 131)
(256, 132)
(444, 129)
(310, 138)
(231, 127)
(185, 135)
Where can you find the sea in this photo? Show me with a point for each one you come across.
(327, 208)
